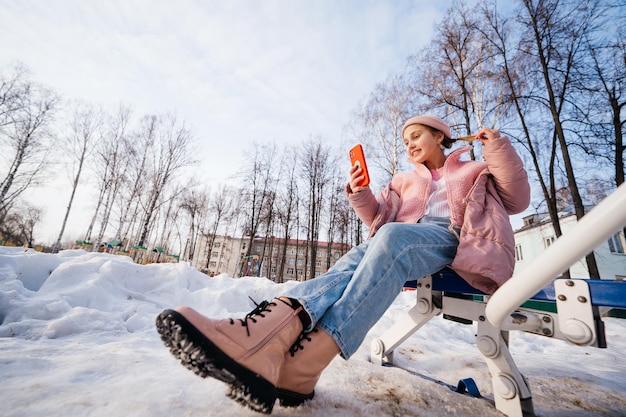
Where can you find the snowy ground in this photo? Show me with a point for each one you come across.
(78, 339)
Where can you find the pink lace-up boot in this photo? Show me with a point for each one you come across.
(303, 366)
(247, 354)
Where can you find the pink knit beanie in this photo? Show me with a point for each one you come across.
(428, 120)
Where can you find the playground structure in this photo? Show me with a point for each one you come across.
(249, 266)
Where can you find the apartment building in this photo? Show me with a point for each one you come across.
(228, 255)
(537, 234)
(297, 264)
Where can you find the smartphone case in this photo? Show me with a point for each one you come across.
(357, 157)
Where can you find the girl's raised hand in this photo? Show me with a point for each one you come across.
(486, 135)
(355, 178)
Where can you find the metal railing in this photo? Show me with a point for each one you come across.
(602, 222)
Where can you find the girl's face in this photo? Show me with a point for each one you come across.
(422, 146)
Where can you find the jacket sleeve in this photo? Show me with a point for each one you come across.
(364, 204)
(510, 177)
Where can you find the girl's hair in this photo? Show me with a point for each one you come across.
(446, 142)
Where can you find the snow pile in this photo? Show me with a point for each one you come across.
(77, 337)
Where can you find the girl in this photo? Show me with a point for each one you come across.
(446, 212)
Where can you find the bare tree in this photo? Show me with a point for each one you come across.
(173, 151)
(350, 226)
(270, 210)
(602, 83)
(315, 160)
(268, 222)
(140, 151)
(194, 203)
(456, 73)
(78, 144)
(110, 164)
(286, 206)
(336, 194)
(221, 208)
(257, 182)
(13, 87)
(18, 226)
(171, 216)
(515, 65)
(233, 221)
(377, 123)
(26, 112)
(557, 34)
(600, 88)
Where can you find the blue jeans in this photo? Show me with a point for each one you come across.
(349, 299)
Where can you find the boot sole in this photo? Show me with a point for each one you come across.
(200, 355)
(292, 399)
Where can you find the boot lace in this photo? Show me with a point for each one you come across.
(298, 343)
(258, 311)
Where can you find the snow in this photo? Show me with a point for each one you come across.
(78, 339)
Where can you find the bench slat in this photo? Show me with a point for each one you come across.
(604, 293)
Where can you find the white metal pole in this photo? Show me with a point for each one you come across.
(598, 225)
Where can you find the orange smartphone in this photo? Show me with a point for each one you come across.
(358, 158)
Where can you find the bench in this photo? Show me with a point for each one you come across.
(571, 309)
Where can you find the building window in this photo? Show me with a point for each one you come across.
(518, 253)
(215, 254)
(547, 241)
(616, 243)
(289, 271)
(530, 220)
(217, 244)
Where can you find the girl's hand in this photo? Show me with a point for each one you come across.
(487, 135)
(355, 178)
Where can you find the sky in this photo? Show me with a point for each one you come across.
(77, 338)
(236, 71)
